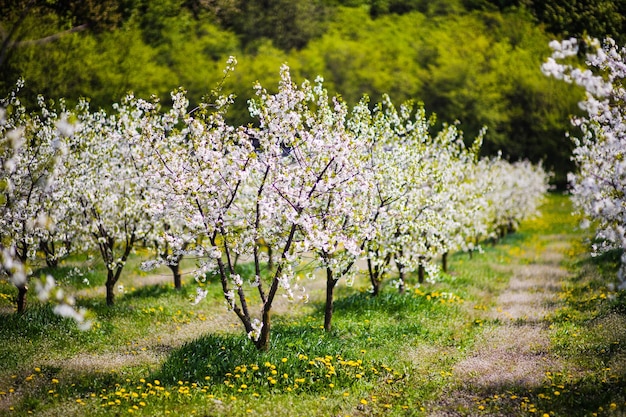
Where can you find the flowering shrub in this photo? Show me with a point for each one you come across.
(599, 186)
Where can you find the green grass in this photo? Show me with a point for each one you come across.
(390, 355)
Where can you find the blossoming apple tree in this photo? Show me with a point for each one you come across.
(30, 146)
(599, 185)
(31, 143)
(102, 182)
(292, 183)
(321, 181)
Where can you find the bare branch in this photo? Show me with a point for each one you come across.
(51, 38)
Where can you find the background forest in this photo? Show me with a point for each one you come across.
(475, 62)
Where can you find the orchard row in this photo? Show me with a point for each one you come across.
(311, 178)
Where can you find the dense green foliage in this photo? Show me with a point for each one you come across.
(574, 18)
(475, 62)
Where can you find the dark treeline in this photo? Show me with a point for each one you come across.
(472, 61)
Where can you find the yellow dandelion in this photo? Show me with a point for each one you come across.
(363, 401)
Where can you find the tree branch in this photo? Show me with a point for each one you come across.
(48, 39)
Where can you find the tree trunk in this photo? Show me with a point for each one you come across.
(420, 274)
(330, 289)
(270, 260)
(444, 262)
(175, 268)
(401, 276)
(374, 277)
(21, 298)
(110, 286)
(263, 343)
(375, 287)
(47, 247)
(402, 285)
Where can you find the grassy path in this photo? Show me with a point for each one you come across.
(534, 356)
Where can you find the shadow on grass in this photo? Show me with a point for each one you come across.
(73, 277)
(35, 322)
(21, 333)
(158, 290)
(393, 305)
(210, 355)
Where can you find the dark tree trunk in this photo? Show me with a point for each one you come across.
(420, 274)
(175, 268)
(270, 260)
(47, 247)
(444, 262)
(263, 343)
(21, 298)
(375, 278)
(330, 289)
(110, 286)
(375, 287)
